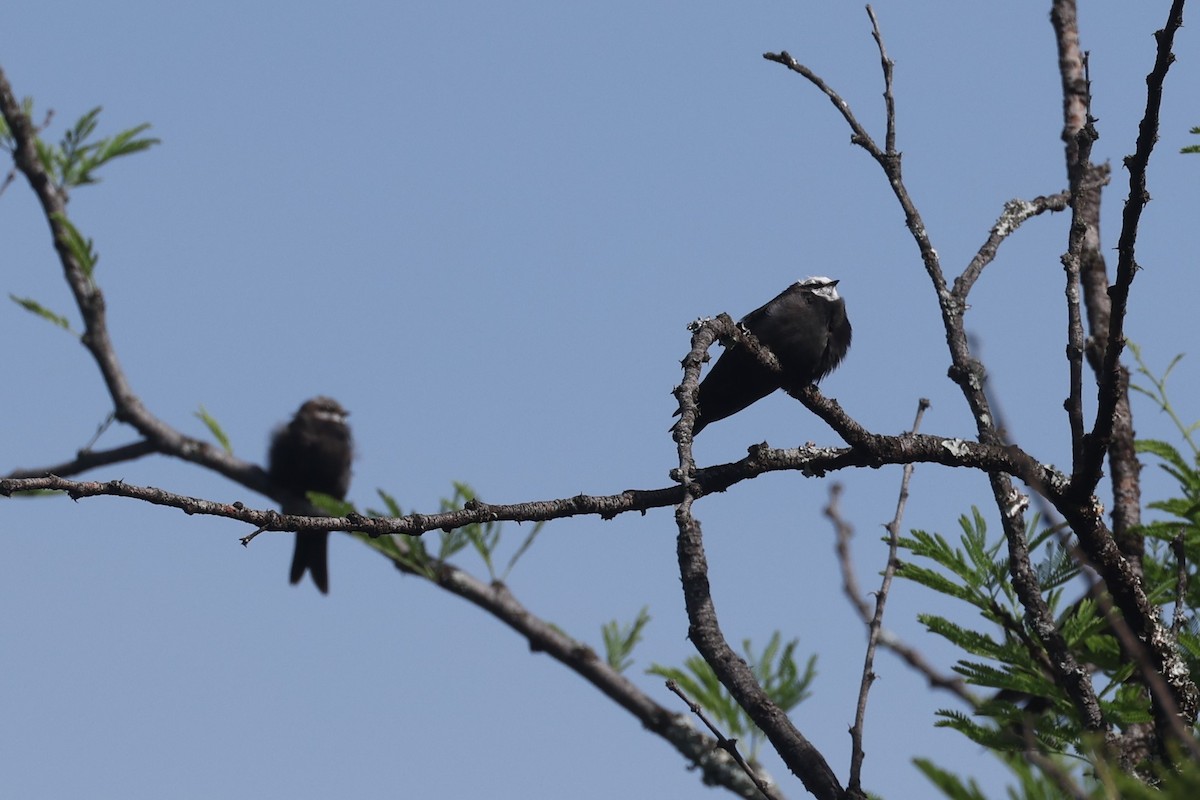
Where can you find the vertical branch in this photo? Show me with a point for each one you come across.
(1116, 555)
(875, 627)
(889, 99)
(1080, 148)
(1072, 675)
(1085, 256)
(800, 756)
(1110, 377)
(1114, 385)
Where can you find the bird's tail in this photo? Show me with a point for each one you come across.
(312, 555)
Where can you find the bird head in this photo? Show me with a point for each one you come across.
(822, 287)
(323, 409)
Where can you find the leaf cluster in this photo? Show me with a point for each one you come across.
(1173, 542)
(74, 161)
(412, 552)
(619, 640)
(1025, 716)
(1023, 704)
(775, 669)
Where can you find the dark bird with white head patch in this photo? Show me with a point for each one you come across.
(312, 453)
(805, 326)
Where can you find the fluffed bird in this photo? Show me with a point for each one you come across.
(312, 453)
(805, 326)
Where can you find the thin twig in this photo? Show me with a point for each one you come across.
(1015, 213)
(844, 533)
(889, 100)
(876, 624)
(910, 655)
(859, 135)
(89, 459)
(1179, 616)
(724, 742)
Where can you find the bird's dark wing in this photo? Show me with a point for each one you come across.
(734, 382)
(795, 326)
(838, 343)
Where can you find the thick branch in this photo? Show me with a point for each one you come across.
(877, 451)
(1097, 441)
(800, 756)
(1118, 562)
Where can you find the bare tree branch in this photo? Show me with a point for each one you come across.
(90, 459)
(875, 625)
(1096, 444)
(889, 99)
(724, 742)
(968, 373)
(910, 655)
(1015, 213)
(812, 461)
(128, 408)
(797, 752)
(1117, 560)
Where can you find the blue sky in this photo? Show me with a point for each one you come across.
(484, 229)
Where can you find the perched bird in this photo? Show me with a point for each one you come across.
(312, 454)
(805, 326)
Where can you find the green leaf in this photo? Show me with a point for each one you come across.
(215, 429)
(525, 545)
(1192, 148)
(123, 144)
(774, 668)
(973, 642)
(75, 160)
(1164, 451)
(83, 249)
(330, 506)
(35, 307)
(483, 537)
(405, 551)
(619, 640)
(393, 508)
(949, 783)
(933, 580)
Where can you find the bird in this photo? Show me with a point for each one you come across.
(312, 453)
(805, 326)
